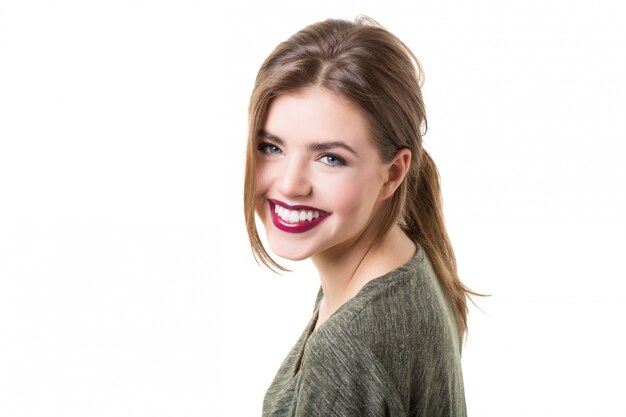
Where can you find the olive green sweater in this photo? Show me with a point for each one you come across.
(392, 350)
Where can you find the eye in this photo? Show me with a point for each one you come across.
(332, 160)
(269, 148)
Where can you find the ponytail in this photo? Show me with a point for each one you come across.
(423, 222)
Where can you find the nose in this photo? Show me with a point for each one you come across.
(294, 180)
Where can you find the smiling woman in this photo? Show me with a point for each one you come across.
(319, 142)
(336, 173)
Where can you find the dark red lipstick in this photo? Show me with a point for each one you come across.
(298, 226)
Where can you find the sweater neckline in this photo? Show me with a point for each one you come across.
(372, 285)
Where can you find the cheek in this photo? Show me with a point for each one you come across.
(348, 203)
(352, 196)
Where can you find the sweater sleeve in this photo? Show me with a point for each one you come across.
(343, 378)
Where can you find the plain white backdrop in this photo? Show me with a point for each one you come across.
(127, 286)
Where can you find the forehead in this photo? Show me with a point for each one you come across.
(316, 114)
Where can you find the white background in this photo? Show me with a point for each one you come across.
(127, 286)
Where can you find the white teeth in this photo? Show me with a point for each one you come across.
(295, 216)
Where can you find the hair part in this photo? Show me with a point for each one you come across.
(375, 70)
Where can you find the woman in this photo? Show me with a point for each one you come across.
(336, 173)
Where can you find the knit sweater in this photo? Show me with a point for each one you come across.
(392, 350)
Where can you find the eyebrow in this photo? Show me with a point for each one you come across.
(316, 147)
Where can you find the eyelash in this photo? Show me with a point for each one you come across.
(271, 149)
(265, 148)
(340, 160)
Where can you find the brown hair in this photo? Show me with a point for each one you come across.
(370, 66)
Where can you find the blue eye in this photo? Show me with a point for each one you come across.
(332, 160)
(269, 148)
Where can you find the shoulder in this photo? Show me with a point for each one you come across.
(402, 311)
(396, 340)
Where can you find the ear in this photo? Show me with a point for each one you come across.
(395, 172)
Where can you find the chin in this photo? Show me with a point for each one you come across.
(291, 253)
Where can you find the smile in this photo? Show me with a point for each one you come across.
(295, 219)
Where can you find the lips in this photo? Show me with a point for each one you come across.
(295, 219)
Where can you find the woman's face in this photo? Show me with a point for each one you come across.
(319, 177)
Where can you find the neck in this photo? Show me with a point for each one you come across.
(343, 273)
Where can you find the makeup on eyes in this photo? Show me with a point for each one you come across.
(266, 146)
(274, 141)
(339, 161)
